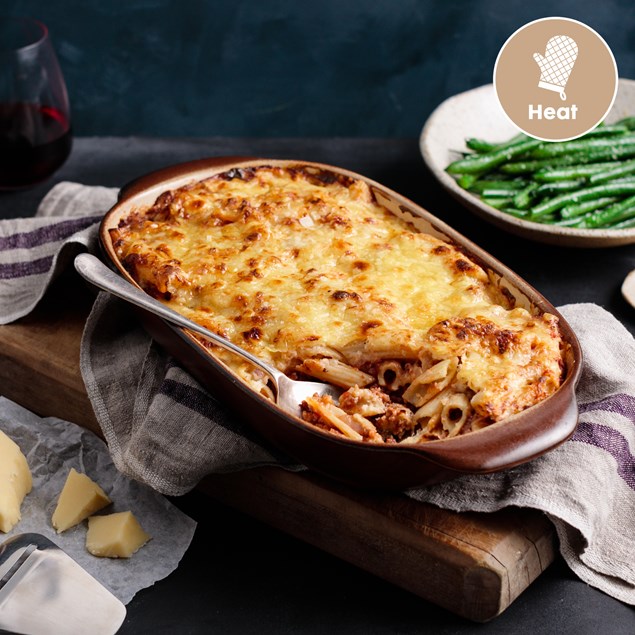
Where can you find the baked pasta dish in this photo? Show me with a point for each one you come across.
(307, 270)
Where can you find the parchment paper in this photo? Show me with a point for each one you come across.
(52, 446)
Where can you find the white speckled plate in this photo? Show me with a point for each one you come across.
(477, 113)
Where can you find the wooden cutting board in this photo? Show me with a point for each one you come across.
(474, 565)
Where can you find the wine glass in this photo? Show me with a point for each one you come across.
(35, 130)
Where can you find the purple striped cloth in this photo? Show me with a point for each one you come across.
(143, 401)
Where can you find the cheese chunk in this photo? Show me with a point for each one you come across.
(80, 498)
(115, 536)
(15, 482)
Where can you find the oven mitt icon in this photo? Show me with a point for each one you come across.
(557, 63)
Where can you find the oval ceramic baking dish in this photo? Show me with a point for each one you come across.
(507, 443)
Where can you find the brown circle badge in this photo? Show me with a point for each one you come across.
(555, 78)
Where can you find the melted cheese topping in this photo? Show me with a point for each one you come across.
(291, 263)
(509, 360)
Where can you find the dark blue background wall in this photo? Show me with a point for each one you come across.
(285, 68)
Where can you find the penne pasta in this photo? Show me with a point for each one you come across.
(329, 415)
(426, 432)
(392, 344)
(390, 375)
(319, 350)
(431, 382)
(353, 426)
(267, 393)
(434, 406)
(454, 413)
(335, 372)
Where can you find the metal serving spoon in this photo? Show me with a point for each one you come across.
(289, 393)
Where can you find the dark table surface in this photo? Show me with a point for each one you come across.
(240, 576)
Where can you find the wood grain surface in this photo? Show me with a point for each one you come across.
(473, 564)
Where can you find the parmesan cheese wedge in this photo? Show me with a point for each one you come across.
(116, 535)
(15, 482)
(80, 498)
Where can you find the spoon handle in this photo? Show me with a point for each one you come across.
(97, 273)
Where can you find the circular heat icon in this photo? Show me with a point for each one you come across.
(555, 78)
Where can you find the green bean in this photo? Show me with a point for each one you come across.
(557, 187)
(605, 131)
(483, 162)
(525, 167)
(597, 191)
(524, 198)
(579, 209)
(481, 185)
(547, 219)
(492, 193)
(466, 180)
(626, 168)
(611, 153)
(625, 224)
(497, 202)
(628, 122)
(577, 221)
(565, 147)
(546, 175)
(614, 214)
(576, 158)
(481, 146)
(512, 211)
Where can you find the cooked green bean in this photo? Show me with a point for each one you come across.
(575, 158)
(526, 167)
(480, 185)
(610, 153)
(495, 193)
(628, 122)
(557, 187)
(483, 162)
(626, 168)
(497, 202)
(547, 175)
(606, 189)
(606, 131)
(524, 198)
(625, 224)
(614, 214)
(466, 180)
(577, 210)
(578, 221)
(546, 150)
(512, 211)
(480, 145)
(546, 219)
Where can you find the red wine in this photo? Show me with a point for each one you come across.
(34, 141)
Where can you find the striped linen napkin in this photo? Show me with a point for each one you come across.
(142, 399)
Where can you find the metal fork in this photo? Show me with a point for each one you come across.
(289, 392)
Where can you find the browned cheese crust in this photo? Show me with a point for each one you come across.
(304, 268)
